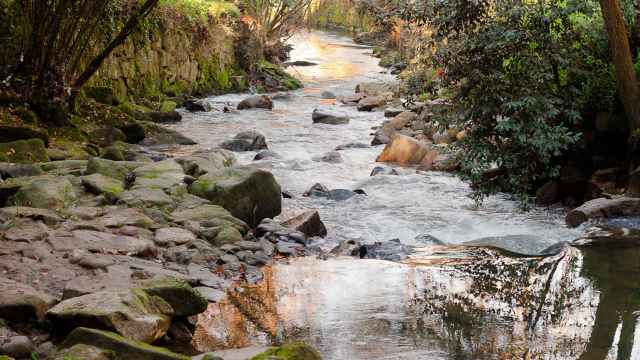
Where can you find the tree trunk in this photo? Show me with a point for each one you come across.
(628, 87)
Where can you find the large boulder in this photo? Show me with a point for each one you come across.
(24, 151)
(246, 141)
(249, 194)
(122, 347)
(134, 314)
(322, 116)
(46, 192)
(256, 102)
(20, 302)
(404, 150)
(184, 300)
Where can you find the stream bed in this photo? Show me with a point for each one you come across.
(443, 302)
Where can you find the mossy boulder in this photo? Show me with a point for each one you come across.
(142, 197)
(159, 175)
(113, 169)
(297, 351)
(24, 151)
(134, 314)
(99, 184)
(46, 192)
(216, 215)
(276, 78)
(249, 194)
(122, 347)
(168, 106)
(184, 300)
(15, 133)
(85, 352)
(102, 94)
(158, 135)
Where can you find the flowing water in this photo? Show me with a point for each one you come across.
(445, 302)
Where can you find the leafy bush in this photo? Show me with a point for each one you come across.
(523, 74)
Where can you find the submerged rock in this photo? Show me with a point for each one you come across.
(332, 157)
(256, 102)
(265, 154)
(391, 250)
(246, 141)
(322, 116)
(249, 194)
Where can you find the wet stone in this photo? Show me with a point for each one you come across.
(249, 245)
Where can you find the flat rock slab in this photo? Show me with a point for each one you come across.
(603, 208)
(120, 217)
(133, 313)
(173, 236)
(96, 241)
(162, 175)
(20, 302)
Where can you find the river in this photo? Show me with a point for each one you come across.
(444, 302)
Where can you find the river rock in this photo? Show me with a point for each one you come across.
(340, 194)
(332, 157)
(353, 145)
(297, 351)
(168, 117)
(184, 300)
(122, 347)
(48, 216)
(211, 215)
(548, 193)
(8, 170)
(20, 302)
(46, 192)
(19, 347)
(316, 190)
(371, 102)
(265, 154)
(156, 134)
(603, 208)
(173, 236)
(256, 102)
(249, 194)
(308, 223)
(383, 170)
(160, 175)
(197, 106)
(404, 150)
(391, 250)
(97, 241)
(141, 197)
(246, 141)
(520, 244)
(119, 217)
(201, 163)
(110, 168)
(378, 88)
(300, 63)
(85, 352)
(132, 313)
(327, 95)
(99, 184)
(393, 112)
(321, 116)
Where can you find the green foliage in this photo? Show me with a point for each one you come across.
(522, 75)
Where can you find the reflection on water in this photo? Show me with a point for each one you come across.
(446, 302)
(473, 304)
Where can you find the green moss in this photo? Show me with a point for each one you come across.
(184, 300)
(297, 351)
(284, 79)
(168, 106)
(24, 151)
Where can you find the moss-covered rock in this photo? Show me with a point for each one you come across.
(157, 135)
(85, 352)
(214, 214)
(122, 347)
(46, 192)
(274, 78)
(113, 169)
(184, 300)
(297, 351)
(24, 151)
(249, 194)
(134, 314)
(103, 185)
(102, 94)
(168, 106)
(160, 175)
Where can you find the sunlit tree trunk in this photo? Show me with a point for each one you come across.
(622, 60)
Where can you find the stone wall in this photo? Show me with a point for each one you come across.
(173, 60)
